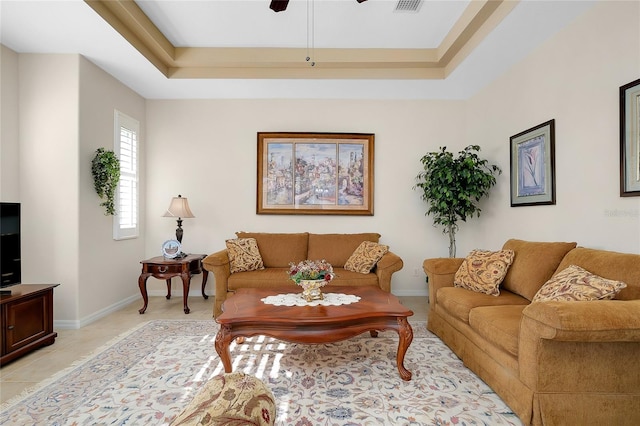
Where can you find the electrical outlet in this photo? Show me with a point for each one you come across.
(416, 272)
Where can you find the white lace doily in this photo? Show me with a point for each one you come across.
(295, 299)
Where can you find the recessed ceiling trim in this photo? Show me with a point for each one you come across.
(210, 62)
(307, 72)
(475, 17)
(497, 14)
(126, 17)
(253, 56)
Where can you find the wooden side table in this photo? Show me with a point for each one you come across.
(162, 268)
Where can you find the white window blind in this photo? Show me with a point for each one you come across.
(125, 222)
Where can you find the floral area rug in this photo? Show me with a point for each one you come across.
(147, 376)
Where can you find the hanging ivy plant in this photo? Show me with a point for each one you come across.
(105, 168)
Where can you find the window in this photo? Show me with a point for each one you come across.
(125, 222)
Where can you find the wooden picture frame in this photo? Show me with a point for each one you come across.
(533, 166)
(630, 139)
(315, 173)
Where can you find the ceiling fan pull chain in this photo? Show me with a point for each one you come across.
(311, 31)
(308, 57)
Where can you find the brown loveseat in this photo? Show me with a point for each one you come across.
(278, 250)
(553, 363)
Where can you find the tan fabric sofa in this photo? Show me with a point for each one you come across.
(553, 363)
(278, 250)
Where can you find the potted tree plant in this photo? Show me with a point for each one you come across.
(453, 186)
(105, 168)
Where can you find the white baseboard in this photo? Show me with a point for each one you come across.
(76, 324)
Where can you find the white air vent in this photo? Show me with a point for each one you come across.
(408, 5)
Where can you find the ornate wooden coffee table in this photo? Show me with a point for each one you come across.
(245, 315)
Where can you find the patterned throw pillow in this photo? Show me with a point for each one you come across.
(244, 255)
(576, 283)
(482, 271)
(364, 258)
(230, 399)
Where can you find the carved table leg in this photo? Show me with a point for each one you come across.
(142, 283)
(186, 280)
(168, 288)
(405, 332)
(223, 340)
(205, 275)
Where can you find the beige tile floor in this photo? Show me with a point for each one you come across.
(73, 345)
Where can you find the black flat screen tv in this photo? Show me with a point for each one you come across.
(10, 266)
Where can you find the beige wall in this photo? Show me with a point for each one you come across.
(9, 148)
(48, 134)
(66, 110)
(574, 79)
(108, 269)
(206, 151)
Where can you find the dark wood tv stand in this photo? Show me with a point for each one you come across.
(26, 319)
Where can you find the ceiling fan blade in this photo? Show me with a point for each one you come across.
(279, 5)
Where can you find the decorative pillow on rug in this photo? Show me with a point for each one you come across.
(576, 283)
(365, 257)
(230, 399)
(244, 255)
(482, 271)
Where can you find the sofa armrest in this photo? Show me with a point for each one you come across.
(596, 321)
(219, 264)
(440, 272)
(386, 266)
(602, 339)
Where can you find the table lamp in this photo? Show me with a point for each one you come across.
(179, 208)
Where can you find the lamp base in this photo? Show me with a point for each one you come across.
(179, 231)
(181, 255)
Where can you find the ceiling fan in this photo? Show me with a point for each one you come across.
(280, 5)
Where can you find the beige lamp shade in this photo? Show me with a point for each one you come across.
(179, 207)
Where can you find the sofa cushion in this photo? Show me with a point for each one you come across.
(336, 248)
(266, 278)
(459, 301)
(576, 283)
(365, 257)
(244, 255)
(350, 278)
(483, 271)
(278, 250)
(499, 325)
(278, 277)
(609, 264)
(533, 264)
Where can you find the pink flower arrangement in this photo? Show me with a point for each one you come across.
(311, 270)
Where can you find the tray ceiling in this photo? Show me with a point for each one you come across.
(183, 49)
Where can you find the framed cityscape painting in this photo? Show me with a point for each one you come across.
(630, 139)
(315, 173)
(533, 165)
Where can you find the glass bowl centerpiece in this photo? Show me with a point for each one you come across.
(311, 275)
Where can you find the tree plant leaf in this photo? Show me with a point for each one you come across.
(453, 186)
